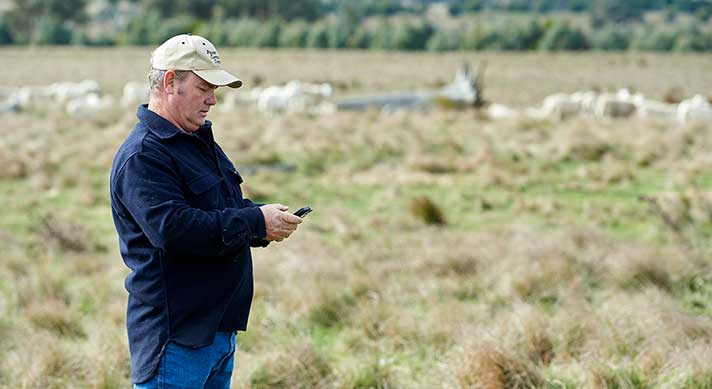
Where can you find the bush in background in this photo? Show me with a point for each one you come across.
(294, 34)
(318, 37)
(563, 36)
(412, 36)
(612, 38)
(52, 31)
(6, 35)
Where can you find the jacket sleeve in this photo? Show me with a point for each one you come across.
(151, 191)
(259, 242)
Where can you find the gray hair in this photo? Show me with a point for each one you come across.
(155, 78)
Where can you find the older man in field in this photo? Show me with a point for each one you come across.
(185, 230)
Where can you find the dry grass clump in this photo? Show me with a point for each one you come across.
(636, 266)
(67, 235)
(375, 373)
(529, 330)
(618, 378)
(54, 316)
(297, 367)
(537, 269)
(488, 366)
(441, 165)
(426, 210)
(333, 311)
(680, 212)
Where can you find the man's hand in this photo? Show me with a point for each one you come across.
(279, 223)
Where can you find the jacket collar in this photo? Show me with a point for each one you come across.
(161, 127)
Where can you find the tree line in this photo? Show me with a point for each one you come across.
(370, 24)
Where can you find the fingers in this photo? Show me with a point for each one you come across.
(291, 218)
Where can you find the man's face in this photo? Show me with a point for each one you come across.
(191, 101)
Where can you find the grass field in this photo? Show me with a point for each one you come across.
(445, 250)
(512, 79)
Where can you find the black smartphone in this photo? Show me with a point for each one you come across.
(303, 211)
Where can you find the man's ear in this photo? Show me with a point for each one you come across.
(169, 82)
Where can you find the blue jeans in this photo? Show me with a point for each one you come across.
(208, 367)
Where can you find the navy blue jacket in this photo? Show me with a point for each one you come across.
(185, 232)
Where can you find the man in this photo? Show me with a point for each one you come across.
(184, 228)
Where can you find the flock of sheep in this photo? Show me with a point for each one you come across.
(83, 99)
(622, 104)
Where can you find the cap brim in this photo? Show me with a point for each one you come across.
(219, 77)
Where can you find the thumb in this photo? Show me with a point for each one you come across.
(282, 207)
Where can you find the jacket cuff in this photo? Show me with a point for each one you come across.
(256, 221)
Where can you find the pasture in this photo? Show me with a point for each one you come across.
(446, 249)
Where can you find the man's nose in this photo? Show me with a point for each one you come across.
(211, 100)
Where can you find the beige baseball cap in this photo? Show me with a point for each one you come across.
(195, 53)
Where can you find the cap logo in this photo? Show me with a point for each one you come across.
(213, 56)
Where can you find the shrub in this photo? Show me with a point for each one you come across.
(382, 38)
(52, 31)
(172, 27)
(338, 33)
(654, 40)
(268, 34)
(360, 39)
(691, 39)
(441, 41)
(318, 36)
(244, 33)
(612, 38)
(216, 30)
(140, 30)
(294, 34)
(6, 36)
(412, 36)
(522, 36)
(565, 37)
(480, 38)
(426, 210)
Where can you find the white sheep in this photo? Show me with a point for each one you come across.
(696, 110)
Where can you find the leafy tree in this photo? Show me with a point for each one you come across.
(267, 9)
(268, 34)
(6, 36)
(294, 34)
(521, 36)
(172, 27)
(338, 32)
(216, 30)
(318, 36)
(360, 39)
(244, 33)
(691, 39)
(616, 11)
(563, 36)
(652, 39)
(481, 38)
(442, 40)
(412, 36)
(612, 38)
(382, 37)
(465, 6)
(52, 31)
(141, 30)
(26, 17)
